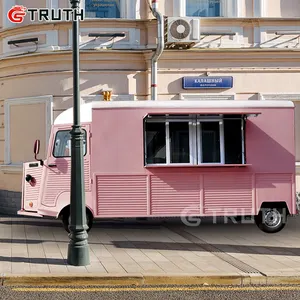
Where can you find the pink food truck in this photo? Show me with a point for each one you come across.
(172, 158)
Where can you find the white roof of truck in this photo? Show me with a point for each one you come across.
(66, 117)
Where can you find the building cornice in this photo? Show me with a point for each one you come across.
(109, 60)
(107, 55)
(92, 23)
(119, 23)
(62, 62)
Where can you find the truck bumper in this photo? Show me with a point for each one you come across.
(29, 213)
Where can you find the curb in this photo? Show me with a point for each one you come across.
(145, 280)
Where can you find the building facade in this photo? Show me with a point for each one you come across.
(254, 42)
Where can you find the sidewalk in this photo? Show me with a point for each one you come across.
(151, 252)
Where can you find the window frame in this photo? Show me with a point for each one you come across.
(195, 138)
(68, 130)
(128, 10)
(228, 9)
(222, 10)
(9, 166)
(86, 17)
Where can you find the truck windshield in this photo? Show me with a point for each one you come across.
(62, 144)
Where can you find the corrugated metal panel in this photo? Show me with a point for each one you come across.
(267, 180)
(227, 192)
(32, 192)
(121, 195)
(175, 194)
(58, 182)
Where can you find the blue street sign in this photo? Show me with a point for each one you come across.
(207, 82)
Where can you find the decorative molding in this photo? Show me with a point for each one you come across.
(133, 42)
(278, 41)
(91, 98)
(51, 41)
(208, 96)
(279, 96)
(12, 169)
(47, 100)
(235, 41)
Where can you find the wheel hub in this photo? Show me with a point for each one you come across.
(272, 218)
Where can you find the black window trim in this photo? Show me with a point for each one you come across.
(53, 146)
(165, 118)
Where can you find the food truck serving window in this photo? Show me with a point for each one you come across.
(62, 143)
(194, 139)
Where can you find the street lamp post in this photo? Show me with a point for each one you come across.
(78, 250)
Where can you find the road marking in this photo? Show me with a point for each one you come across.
(160, 289)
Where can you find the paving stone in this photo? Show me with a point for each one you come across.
(124, 249)
(168, 267)
(96, 267)
(112, 266)
(150, 267)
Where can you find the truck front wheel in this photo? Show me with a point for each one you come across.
(66, 219)
(271, 220)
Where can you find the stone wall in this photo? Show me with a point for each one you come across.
(10, 202)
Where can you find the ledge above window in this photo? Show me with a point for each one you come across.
(11, 168)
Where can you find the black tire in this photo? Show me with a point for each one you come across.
(66, 216)
(271, 220)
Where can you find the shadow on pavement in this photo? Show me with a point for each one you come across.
(241, 249)
(46, 261)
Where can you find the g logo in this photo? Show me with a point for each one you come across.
(188, 218)
(16, 14)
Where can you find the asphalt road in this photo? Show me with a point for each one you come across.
(145, 293)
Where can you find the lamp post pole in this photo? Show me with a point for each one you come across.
(78, 249)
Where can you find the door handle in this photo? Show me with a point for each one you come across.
(52, 166)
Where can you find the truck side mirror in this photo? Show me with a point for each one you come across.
(36, 151)
(36, 148)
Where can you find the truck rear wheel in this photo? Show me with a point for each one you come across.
(66, 219)
(271, 220)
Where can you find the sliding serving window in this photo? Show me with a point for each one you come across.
(194, 139)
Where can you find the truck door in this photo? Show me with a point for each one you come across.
(58, 166)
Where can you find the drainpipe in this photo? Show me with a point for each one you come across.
(159, 49)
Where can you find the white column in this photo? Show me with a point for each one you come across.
(263, 8)
(6, 6)
(52, 3)
(259, 8)
(232, 8)
(132, 9)
(137, 13)
(81, 4)
(123, 9)
(179, 8)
